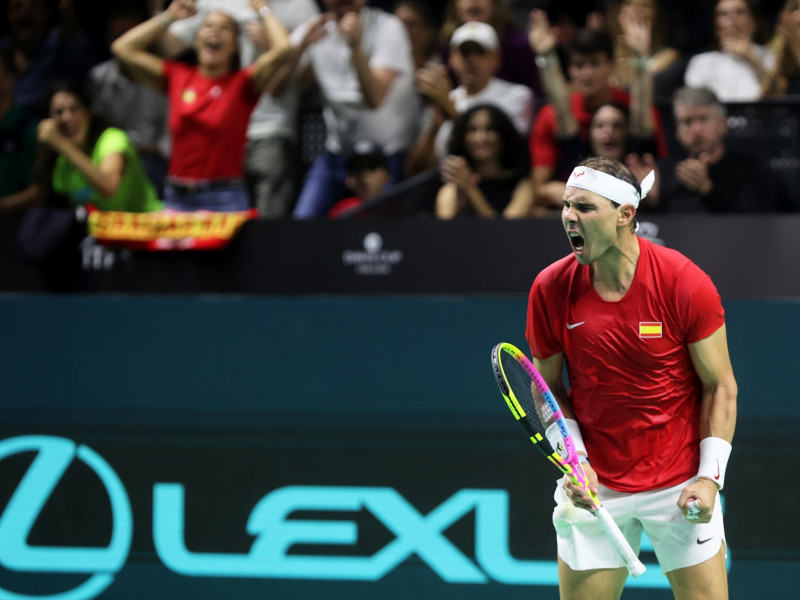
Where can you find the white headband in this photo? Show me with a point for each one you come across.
(609, 186)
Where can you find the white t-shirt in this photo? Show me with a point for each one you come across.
(272, 116)
(730, 77)
(347, 118)
(514, 99)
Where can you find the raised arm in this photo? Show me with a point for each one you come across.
(542, 38)
(104, 177)
(131, 47)
(268, 64)
(637, 33)
(375, 82)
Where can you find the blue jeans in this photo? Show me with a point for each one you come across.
(324, 184)
(225, 198)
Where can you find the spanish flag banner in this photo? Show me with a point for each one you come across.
(167, 230)
(650, 329)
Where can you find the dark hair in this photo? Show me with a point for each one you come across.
(366, 156)
(623, 108)
(421, 8)
(513, 148)
(502, 19)
(97, 125)
(754, 7)
(616, 169)
(589, 41)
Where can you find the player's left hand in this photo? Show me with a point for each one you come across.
(705, 492)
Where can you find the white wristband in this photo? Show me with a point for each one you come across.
(575, 432)
(714, 454)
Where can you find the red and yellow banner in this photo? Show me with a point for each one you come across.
(167, 230)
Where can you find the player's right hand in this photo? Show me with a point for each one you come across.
(577, 494)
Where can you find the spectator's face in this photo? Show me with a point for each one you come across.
(482, 141)
(27, 20)
(474, 10)
(342, 7)
(473, 65)
(420, 33)
(643, 8)
(216, 41)
(609, 132)
(700, 129)
(368, 183)
(733, 17)
(71, 116)
(589, 73)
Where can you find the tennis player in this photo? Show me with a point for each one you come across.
(652, 395)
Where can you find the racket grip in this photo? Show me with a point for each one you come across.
(632, 562)
(692, 509)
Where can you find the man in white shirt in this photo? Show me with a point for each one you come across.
(474, 58)
(360, 59)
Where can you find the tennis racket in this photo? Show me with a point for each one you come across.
(535, 408)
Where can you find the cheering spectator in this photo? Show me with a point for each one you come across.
(421, 29)
(94, 164)
(662, 61)
(367, 176)
(785, 44)
(516, 58)
(614, 130)
(740, 70)
(590, 67)
(17, 143)
(209, 104)
(43, 56)
(474, 58)
(360, 58)
(271, 134)
(135, 108)
(711, 177)
(486, 173)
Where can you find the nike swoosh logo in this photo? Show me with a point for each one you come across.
(574, 325)
(699, 541)
(717, 475)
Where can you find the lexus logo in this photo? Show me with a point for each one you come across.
(53, 456)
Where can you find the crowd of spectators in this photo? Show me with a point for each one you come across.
(192, 105)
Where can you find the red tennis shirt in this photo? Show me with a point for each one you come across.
(208, 121)
(632, 385)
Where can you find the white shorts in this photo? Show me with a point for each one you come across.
(677, 542)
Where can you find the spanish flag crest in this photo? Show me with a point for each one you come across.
(650, 329)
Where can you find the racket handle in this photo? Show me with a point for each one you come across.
(692, 509)
(632, 562)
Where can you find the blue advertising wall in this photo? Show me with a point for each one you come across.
(215, 447)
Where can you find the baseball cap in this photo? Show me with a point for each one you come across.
(366, 155)
(482, 34)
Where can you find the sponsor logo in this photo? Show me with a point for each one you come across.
(699, 541)
(574, 325)
(276, 528)
(53, 456)
(373, 259)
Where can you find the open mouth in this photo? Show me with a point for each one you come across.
(577, 241)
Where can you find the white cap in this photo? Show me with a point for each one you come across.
(482, 34)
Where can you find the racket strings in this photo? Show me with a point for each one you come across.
(538, 417)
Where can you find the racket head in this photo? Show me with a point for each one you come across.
(534, 406)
